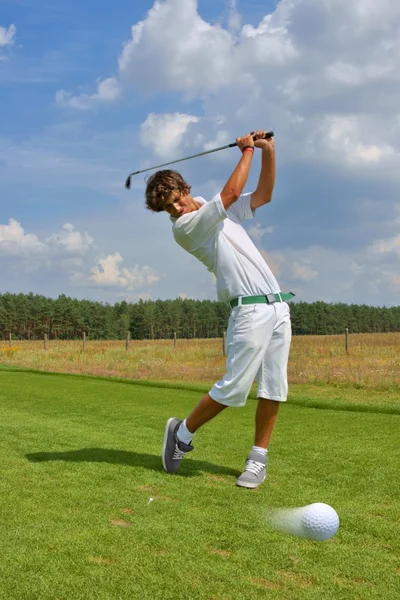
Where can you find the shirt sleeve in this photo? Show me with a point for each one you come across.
(192, 230)
(241, 209)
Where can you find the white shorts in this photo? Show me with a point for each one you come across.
(258, 342)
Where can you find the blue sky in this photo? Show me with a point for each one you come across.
(91, 91)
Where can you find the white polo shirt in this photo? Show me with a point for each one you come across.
(216, 237)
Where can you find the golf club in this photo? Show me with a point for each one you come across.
(268, 135)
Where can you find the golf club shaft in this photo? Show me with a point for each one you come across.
(268, 135)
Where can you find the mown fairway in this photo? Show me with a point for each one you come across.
(81, 459)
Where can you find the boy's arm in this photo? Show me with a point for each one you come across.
(236, 182)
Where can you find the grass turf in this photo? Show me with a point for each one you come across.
(81, 459)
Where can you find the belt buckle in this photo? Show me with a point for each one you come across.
(271, 298)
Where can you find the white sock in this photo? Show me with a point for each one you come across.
(262, 451)
(184, 435)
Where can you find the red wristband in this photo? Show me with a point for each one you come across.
(248, 149)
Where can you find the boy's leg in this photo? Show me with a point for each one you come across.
(256, 464)
(266, 416)
(272, 390)
(178, 434)
(205, 410)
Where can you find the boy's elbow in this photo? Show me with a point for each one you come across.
(258, 200)
(230, 195)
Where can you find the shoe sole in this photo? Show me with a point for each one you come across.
(250, 486)
(165, 442)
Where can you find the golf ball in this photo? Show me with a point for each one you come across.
(319, 521)
(316, 521)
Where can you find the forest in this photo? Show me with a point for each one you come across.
(31, 316)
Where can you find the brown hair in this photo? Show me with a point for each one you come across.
(159, 187)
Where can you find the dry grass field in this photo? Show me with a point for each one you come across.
(373, 360)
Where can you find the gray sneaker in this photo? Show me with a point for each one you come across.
(173, 450)
(254, 472)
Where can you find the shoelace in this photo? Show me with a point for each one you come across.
(178, 454)
(254, 466)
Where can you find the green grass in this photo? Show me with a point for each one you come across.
(81, 457)
(344, 396)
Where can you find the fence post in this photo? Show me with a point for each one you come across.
(174, 339)
(84, 341)
(45, 341)
(224, 345)
(128, 336)
(347, 339)
(9, 340)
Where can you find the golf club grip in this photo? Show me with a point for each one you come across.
(267, 136)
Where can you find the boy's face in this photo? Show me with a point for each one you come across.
(180, 203)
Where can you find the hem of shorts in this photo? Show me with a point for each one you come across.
(226, 402)
(266, 396)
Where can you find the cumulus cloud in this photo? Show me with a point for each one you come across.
(309, 64)
(14, 242)
(185, 52)
(165, 133)
(339, 41)
(7, 39)
(348, 138)
(108, 90)
(256, 232)
(369, 274)
(221, 138)
(108, 273)
(387, 246)
(7, 36)
(69, 251)
(234, 18)
(303, 271)
(320, 70)
(68, 243)
(71, 240)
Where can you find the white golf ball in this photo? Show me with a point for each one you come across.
(320, 521)
(316, 521)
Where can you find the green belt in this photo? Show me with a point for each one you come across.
(267, 299)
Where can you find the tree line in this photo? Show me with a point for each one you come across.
(31, 316)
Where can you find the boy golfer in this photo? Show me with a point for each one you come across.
(259, 330)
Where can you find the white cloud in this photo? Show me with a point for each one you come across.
(303, 271)
(256, 232)
(221, 139)
(14, 242)
(234, 18)
(367, 275)
(64, 248)
(7, 36)
(109, 274)
(387, 246)
(298, 59)
(308, 64)
(71, 240)
(69, 252)
(164, 133)
(393, 278)
(351, 75)
(349, 139)
(185, 52)
(108, 90)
